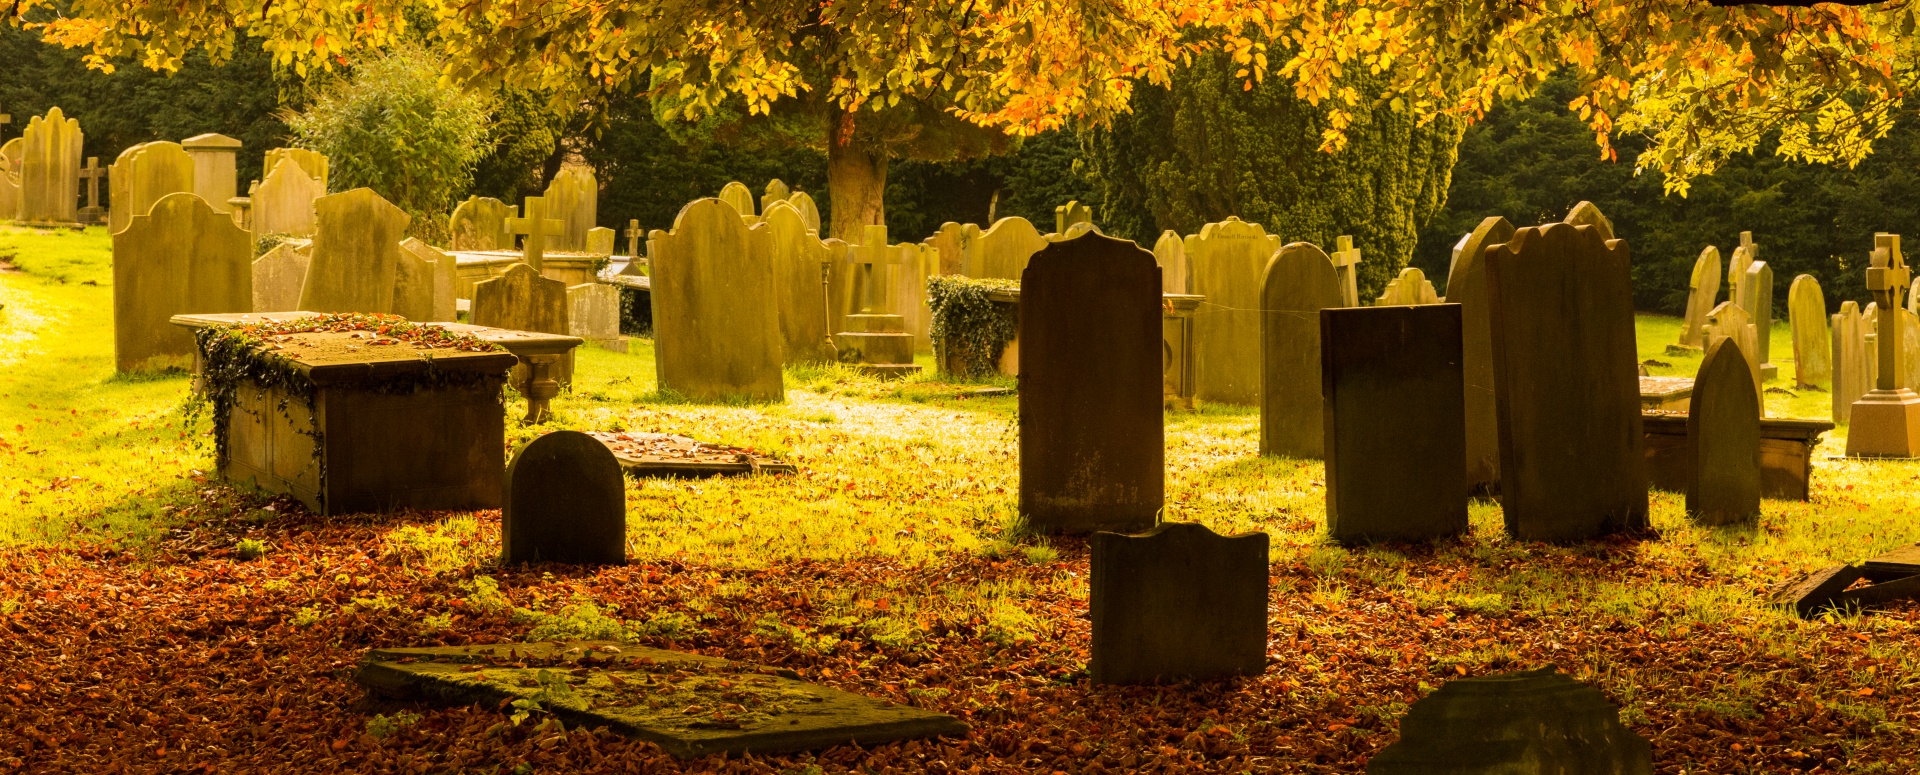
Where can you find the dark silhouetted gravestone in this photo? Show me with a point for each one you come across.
(1566, 384)
(1537, 721)
(1467, 286)
(1395, 422)
(1723, 431)
(1091, 438)
(1178, 602)
(565, 502)
(1299, 282)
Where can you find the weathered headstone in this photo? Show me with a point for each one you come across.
(215, 177)
(600, 241)
(907, 291)
(1757, 300)
(142, 175)
(1395, 422)
(1346, 261)
(480, 223)
(1703, 292)
(1227, 263)
(94, 212)
(1091, 438)
(716, 319)
(1730, 321)
(952, 243)
(1587, 214)
(313, 163)
(179, 258)
(538, 226)
(1536, 722)
(50, 170)
(1812, 344)
(1003, 251)
(1743, 256)
(876, 336)
(1177, 602)
(594, 315)
(1171, 253)
(356, 253)
(799, 263)
(10, 178)
(435, 270)
(1297, 283)
(521, 300)
(1467, 287)
(1566, 384)
(1723, 434)
(1067, 215)
(277, 278)
(1886, 421)
(565, 502)
(574, 198)
(1851, 375)
(737, 194)
(1410, 288)
(284, 202)
(809, 211)
(776, 191)
(634, 235)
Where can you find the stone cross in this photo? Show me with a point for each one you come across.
(1346, 261)
(634, 233)
(92, 173)
(537, 227)
(1886, 280)
(867, 257)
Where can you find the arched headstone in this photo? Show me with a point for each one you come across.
(952, 243)
(736, 194)
(1003, 251)
(1467, 287)
(1812, 344)
(1588, 214)
(1723, 433)
(1171, 253)
(50, 170)
(777, 191)
(10, 178)
(573, 198)
(1702, 296)
(799, 262)
(141, 176)
(1298, 282)
(356, 253)
(565, 502)
(1226, 263)
(809, 211)
(181, 257)
(716, 319)
(480, 223)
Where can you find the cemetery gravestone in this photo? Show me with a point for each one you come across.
(1467, 286)
(1177, 602)
(1003, 251)
(809, 212)
(574, 199)
(10, 178)
(313, 163)
(565, 502)
(1537, 721)
(1812, 344)
(435, 271)
(1702, 293)
(480, 223)
(1091, 437)
(277, 278)
(1758, 302)
(1297, 284)
(1067, 215)
(594, 315)
(716, 319)
(179, 258)
(50, 170)
(1410, 288)
(142, 175)
(1566, 384)
(877, 335)
(1730, 321)
(285, 200)
(1346, 260)
(912, 264)
(1723, 429)
(215, 177)
(1395, 423)
(737, 195)
(777, 191)
(1742, 258)
(951, 244)
(521, 300)
(356, 253)
(1886, 421)
(600, 241)
(1587, 214)
(93, 213)
(1851, 376)
(799, 260)
(538, 225)
(634, 235)
(1171, 253)
(1228, 263)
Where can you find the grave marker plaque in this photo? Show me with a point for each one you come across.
(776, 191)
(1409, 288)
(1467, 286)
(1177, 602)
(809, 211)
(1723, 427)
(1758, 302)
(1298, 283)
(565, 502)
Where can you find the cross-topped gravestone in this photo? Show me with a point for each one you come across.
(536, 227)
(634, 235)
(1346, 261)
(92, 173)
(1886, 421)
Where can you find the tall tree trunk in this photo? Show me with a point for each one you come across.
(856, 178)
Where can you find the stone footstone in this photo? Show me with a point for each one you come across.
(1177, 602)
(1536, 721)
(689, 705)
(1819, 590)
(565, 502)
(1723, 427)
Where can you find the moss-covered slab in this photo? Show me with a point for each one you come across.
(690, 705)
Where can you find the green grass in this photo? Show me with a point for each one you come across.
(1656, 332)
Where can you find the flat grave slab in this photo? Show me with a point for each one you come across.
(665, 454)
(1667, 394)
(688, 704)
(1897, 564)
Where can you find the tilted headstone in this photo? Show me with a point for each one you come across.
(777, 191)
(565, 502)
(1743, 257)
(600, 241)
(1538, 721)
(1757, 300)
(142, 175)
(50, 169)
(480, 223)
(809, 212)
(277, 278)
(1467, 287)
(1723, 438)
(1297, 283)
(1730, 321)
(1812, 343)
(1566, 384)
(1177, 602)
(1410, 288)
(716, 318)
(1851, 375)
(356, 253)
(181, 257)
(521, 300)
(10, 177)
(1091, 440)
(1395, 423)
(740, 197)
(1171, 253)
(284, 201)
(1227, 263)
(952, 243)
(1346, 261)
(1703, 292)
(574, 198)
(1587, 214)
(313, 163)
(435, 270)
(1067, 215)
(1003, 251)
(799, 263)
(594, 315)
(215, 176)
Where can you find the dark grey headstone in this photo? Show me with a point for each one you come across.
(1091, 435)
(1395, 422)
(1537, 721)
(565, 502)
(1897, 564)
(1178, 602)
(1723, 432)
(1566, 384)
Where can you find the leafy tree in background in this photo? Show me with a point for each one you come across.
(524, 146)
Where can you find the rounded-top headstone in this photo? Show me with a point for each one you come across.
(565, 502)
(1538, 721)
(1723, 426)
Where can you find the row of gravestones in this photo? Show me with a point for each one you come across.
(564, 219)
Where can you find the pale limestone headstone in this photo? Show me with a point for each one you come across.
(1467, 287)
(50, 169)
(10, 178)
(716, 316)
(600, 241)
(277, 277)
(1226, 262)
(1067, 215)
(777, 191)
(1003, 251)
(1757, 299)
(356, 253)
(594, 315)
(480, 223)
(737, 195)
(438, 276)
(912, 265)
(283, 202)
(799, 259)
(1346, 261)
(1587, 214)
(1909, 349)
(314, 163)
(215, 176)
(1411, 288)
(142, 175)
(1743, 255)
(953, 242)
(1730, 321)
(1812, 343)
(179, 258)
(574, 199)
(521, 300)
(809, 211)
(1703, 294)
(1296, 284)
(1170, 251)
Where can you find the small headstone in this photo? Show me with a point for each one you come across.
(480, 223)
(1758, 302)
(521, 300)
(1467, 287)
(215, 177)
(1395, 425)
(799, 262)
(50, 170)
(907, 292)
(277, 278)
(1743, 256)
(1723, 434)
(634, 235)
(565, 502)
(427, 281)
(809, 212)
(1852, 375)
(1003, 251)
(1227, 263)
(1346, 261)
(777, 191)
(142, 175)
(1410, 288)
(594, 315)
(1067, 215)
(573, 198)
(285, 201)
(1297, 284)
(1536, 722)
(10, 177)
(600, 241)
(1818, 591)
(1703, 291)
(313, 163)
(1171, 253)
(93, 173)
(1177, 602)
(1730, 321)
(1091, 437)
(1812, 342)
(356, 253)
(736, 194)
(1587, 214)
(951, 244)
(179, 258)
(716, 318)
